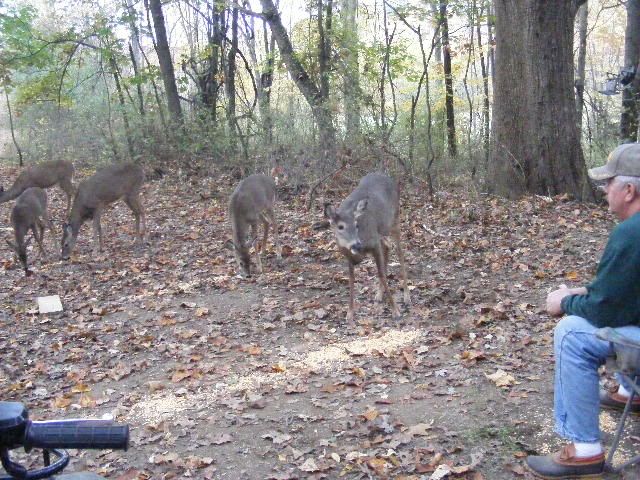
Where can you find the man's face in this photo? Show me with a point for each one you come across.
(615, 193)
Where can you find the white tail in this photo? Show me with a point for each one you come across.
(43, 175)
(106, 186)
(360, 225)
(29, 213)
(251, 202)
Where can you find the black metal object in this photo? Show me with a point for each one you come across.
(616, 82)
(16, 430)
(626, 361)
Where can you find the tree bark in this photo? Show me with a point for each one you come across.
(351, 70)
(230, 83)
(486, 126)
(448, 81)
(631, 92)
(11, 126)
(307, 87)
(125, 117)
(535, 141)
(582, 18)
(166, 63)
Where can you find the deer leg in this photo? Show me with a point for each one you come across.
(67, 187)
(276, 237)
(265, 224)
(97, 230)
(395, 232)
(385, 253)
(379, 258)
(38, 235)
(351, 310)
(256, 246)
(47, 221)
(136, 207)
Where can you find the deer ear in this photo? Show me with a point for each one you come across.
(228, 244)
(361, 207)
(329, 211)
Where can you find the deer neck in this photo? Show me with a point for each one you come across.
(10, 194)
(76, 220)
(238, 231)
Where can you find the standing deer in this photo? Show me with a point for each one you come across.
(29, 213)
(252, 202)
(43, 175)
(360, 225)
(94, 194)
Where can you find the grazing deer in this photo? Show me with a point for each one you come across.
(29, 213)
(252, 202)
(361, 223)
(43, 175)
(94, 194)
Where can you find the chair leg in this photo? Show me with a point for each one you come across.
(620, 429)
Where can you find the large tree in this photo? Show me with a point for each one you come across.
(631, 92)
(316, 97)
(535, 139)
(166, 63)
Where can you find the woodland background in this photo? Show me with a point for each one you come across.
(504, 93)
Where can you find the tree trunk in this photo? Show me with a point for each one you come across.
(123, 107)
(631, 92)
(491, 41)
(134, 64)
(535, 141)
(13, 132)
(324, 46)
(486, 126)
(582, 18)
(307, 87)
(448, 81)
(351, 73)
(164, 58)
(230, 83)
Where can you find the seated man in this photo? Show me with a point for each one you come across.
(611, 300)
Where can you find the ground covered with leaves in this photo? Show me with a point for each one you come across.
(222, 377)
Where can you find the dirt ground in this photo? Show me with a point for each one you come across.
(227, 378)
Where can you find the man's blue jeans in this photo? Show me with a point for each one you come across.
(579, 354)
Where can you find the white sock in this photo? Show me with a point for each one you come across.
(623, 391)
(587, 449)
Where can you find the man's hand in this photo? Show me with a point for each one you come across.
(554, 300)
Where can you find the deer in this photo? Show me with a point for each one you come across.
(42, 175)
(29, 213)
(361, 225)
(252, 202)
(94, 194)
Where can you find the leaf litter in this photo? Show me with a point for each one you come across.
(221, 377)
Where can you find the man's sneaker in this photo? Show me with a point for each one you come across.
(615, 401)
(565, 464)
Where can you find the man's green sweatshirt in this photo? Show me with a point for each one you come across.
(613, 298)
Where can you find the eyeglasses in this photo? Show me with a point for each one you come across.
(607, 183)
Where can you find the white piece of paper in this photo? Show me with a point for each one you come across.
(49, 304)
